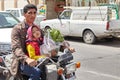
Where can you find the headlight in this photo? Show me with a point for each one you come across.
(71, 68)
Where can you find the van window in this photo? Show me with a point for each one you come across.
(66, 15)
(15, 13)
(7, 20)
(21, 11)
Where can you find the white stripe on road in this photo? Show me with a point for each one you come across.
(102, 74)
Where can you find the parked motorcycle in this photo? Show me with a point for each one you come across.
(61, 67)
(5, 63)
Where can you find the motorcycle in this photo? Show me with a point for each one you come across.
(5, 63)
(60, 67)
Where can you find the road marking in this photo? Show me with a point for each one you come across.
(102, 74)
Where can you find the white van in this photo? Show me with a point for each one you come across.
(18, 12)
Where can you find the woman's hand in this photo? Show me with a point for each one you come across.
(31, 62)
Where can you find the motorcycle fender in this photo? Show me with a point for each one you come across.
(51, 72)
(72, 78)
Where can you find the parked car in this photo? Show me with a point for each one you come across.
(90, 23)
(7, 21)
(18, 12)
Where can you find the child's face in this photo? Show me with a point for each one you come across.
(36, 32)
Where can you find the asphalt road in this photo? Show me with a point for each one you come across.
(100, 61)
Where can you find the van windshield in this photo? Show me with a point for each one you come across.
(7, 20)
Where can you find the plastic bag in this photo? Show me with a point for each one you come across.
(48, 45)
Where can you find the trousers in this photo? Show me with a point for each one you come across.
(33, 72)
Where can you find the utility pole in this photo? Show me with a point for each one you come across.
(35, 2)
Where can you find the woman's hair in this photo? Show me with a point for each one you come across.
(29, 6)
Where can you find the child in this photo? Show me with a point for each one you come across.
(34, 45)
(33, 42)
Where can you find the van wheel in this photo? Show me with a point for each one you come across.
(89, 37)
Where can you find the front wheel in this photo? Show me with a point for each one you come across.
(89, 37)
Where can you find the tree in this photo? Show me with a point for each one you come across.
(28, 1)
(33, 2)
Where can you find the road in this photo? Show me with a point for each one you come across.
(100, 61)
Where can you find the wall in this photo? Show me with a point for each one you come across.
(10, 4)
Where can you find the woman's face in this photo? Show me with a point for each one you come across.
(36, 33)
(30, 15)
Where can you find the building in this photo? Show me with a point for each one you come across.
(5, 4)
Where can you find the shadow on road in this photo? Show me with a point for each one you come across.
(113, 43)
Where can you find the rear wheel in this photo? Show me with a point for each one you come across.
(89, 37)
